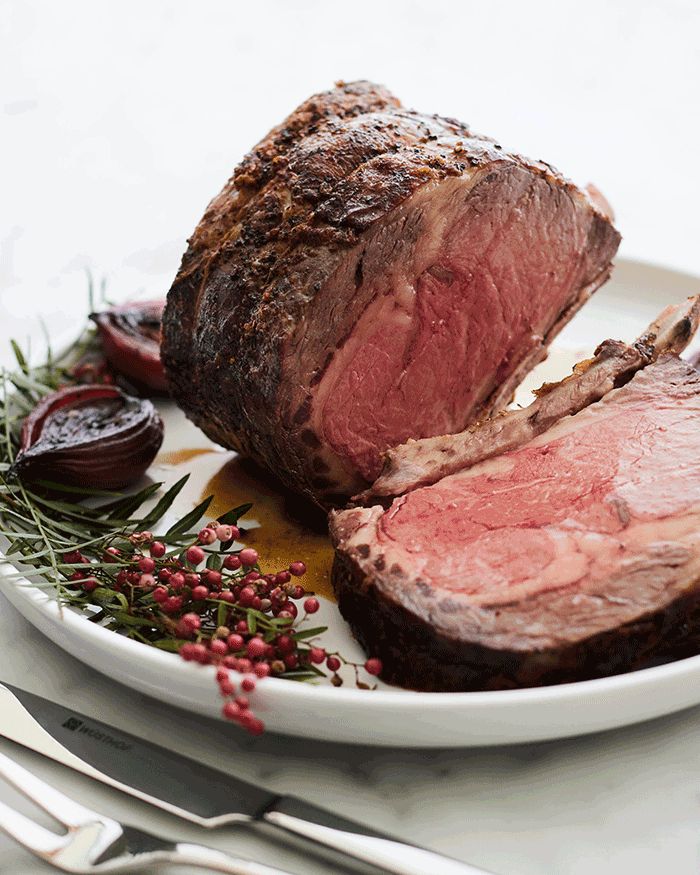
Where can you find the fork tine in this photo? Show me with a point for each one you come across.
(28, 833)
(66, 811)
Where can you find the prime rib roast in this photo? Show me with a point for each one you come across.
(550, 544)
(371, 274)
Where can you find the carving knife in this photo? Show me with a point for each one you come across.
(196, 792)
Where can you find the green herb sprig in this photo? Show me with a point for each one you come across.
(97, 552)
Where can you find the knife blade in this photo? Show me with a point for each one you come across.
(194, 791)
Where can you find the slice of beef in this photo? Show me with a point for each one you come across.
(574, 555)
(371, 274)
(422, 462)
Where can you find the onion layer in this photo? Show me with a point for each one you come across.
(91, 436)
(130, 336)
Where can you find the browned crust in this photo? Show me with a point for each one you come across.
(277, 232)
(422, 462)
(415, 655)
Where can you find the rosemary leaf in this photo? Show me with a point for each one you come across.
(231, 517)
(164, 504)
(80, 491)
(190, 519)
(19, 355)
(125, 507)
(303, 634)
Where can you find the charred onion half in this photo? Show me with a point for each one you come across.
(92, 436)
(130, 336)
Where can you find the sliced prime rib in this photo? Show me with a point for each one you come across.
(573, 554)
(422, 462)
(370, 274)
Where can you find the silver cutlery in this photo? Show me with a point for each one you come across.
(97, 844)
(195, 792)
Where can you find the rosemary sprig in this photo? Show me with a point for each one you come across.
(196, 593)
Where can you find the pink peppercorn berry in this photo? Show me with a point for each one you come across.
(226, 533)
(188, 624)
(227, 687)
(285, 644)
(298, 569)
(232, 562)
(206, 536)
(172, 604)
(245, 599)
(231, 711)
(213, 578)
(248, 557)
(373, 666)
(146, 564)
(200, 653)
(177, 581)
(195, 555)
(311, 605)
(256, 648)
(186, 652)
(317, 655)
(333, 663)
(218, 647)
(157, 550)
(289, 613)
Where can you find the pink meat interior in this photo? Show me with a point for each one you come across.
(613, 482)
(491, 269)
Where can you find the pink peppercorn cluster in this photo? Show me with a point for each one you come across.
(204, 597)
(218, 606)
(237, 706)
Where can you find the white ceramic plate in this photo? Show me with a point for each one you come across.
(389, 716)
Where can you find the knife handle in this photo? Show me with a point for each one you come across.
(359, 842)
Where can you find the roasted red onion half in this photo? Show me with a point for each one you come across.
(91, 436)
(130, 337)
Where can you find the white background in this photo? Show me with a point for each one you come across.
(118, 122)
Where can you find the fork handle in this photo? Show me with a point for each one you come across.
(218, 861)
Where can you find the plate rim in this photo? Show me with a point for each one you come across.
(107, 639)
(43, 599)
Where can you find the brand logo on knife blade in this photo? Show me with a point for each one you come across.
(76, 725)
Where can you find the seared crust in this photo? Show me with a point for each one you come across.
(278, 231)
(416, 655)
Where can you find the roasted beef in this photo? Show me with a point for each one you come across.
(422, 462)
(573, 554)
(371, 274)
